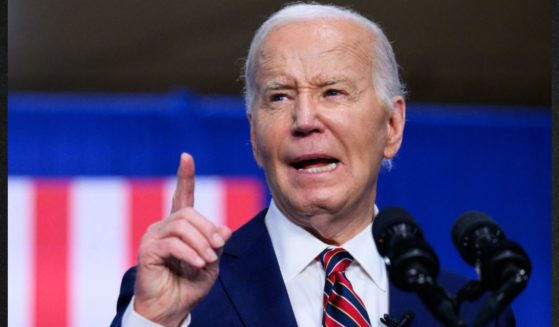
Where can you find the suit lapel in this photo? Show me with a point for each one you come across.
(251, 277)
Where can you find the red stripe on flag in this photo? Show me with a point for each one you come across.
(243, 200)
(146, 206)
(51, 254)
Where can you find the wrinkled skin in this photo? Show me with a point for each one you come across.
(319, 128)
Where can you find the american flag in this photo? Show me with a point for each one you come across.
(71, 240)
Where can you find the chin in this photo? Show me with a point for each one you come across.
(313, 203)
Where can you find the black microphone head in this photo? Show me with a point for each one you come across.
(465, 226)
(482, 244)
(399, 239)
(384, 222)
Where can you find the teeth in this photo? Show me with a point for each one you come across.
(328, 167)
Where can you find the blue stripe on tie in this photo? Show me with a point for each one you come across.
(339, 293)
(328, 286)
(335, 259)
(350, 297)
(329, 318)
(340, 316)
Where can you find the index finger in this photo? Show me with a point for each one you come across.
(184, 191)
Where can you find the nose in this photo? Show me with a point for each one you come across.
(306, 118)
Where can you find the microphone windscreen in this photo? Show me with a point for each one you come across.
(469, 229)
(389, 217)
(469, 222)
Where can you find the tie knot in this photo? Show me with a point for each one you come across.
(335, 260)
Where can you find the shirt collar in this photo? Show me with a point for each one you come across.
(364, 250)
(296, 248)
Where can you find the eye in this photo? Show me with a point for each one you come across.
(332, 93)
(278, 97)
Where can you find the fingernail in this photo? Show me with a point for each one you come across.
(199, 262)
(210, 254)
(218, 240)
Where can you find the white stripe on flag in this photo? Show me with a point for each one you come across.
(98, 244)
(208, 198)
(20, 252)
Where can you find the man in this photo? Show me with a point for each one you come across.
(326, 108)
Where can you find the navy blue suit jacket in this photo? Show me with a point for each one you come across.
(250, 290)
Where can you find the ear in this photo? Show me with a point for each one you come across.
(255, 152)
(395, 127)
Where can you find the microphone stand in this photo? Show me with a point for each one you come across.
(514, 284)
(501, 298)
(436, 298)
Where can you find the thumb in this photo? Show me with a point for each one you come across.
(225, 234)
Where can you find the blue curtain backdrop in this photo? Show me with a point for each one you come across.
(454, 158)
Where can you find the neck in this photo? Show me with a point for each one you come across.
(336, 229)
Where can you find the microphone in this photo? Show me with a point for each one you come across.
(400, 239)
(406, 319)
(411, 262)
(502, 265)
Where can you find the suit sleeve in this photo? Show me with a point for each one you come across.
(126, 293)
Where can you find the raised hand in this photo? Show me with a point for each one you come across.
(178, 257)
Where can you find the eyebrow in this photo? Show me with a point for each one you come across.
(321, 81)
(333, 81)
(318, 81)
(337, 81)
(275, 85)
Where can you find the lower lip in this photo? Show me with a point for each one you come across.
(319, 170)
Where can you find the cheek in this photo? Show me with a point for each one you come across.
(366, 141)
(265, 140)
(365, 131)
(272, 124)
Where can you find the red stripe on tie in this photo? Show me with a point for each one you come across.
(329, 321)
(146, 205)
(338, 307)
(346, 306)
(51, 254)
(345, 282)
(328, 256)
(341, 265)
(244, 197)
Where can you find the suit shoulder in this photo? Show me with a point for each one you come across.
(243, 237)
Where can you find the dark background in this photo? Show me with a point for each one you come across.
(495, 52)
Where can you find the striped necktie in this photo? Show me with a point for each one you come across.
(342, 306)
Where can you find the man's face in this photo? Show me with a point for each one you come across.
(318, 128)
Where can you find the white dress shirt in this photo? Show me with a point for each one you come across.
(303, 275)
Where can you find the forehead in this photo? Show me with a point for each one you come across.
(317, 44)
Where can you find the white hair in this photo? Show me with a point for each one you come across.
(385, 69)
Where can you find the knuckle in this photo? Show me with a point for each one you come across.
(181, 213)
(189, 211)
(181, 225)
(146, 250)
(152, 228)
(160, 246)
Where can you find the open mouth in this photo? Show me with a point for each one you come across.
(315, 165)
